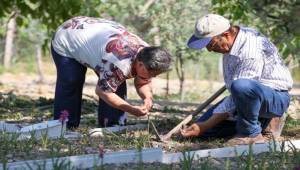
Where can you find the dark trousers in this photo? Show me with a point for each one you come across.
(256, 105)
(68, 93)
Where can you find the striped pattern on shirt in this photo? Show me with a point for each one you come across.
(254, 57)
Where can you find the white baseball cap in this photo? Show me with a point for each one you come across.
(207, 27)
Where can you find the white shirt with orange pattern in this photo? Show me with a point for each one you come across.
(102, 45)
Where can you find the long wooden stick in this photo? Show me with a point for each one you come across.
(190, 117)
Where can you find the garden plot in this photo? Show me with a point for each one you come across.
(52, 128)
(24, 111)
(186, 160)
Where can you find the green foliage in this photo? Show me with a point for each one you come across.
(277, 19)
(170, 20)
(168, 23)
(12, 149)
(187, 160)
(50, 13)
(40, 18)
(292, 123)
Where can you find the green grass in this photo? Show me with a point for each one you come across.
(16, 107)
(188, 97)
(27, 67)
(292, 123)
(11, 148)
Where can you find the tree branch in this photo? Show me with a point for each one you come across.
(146, 7)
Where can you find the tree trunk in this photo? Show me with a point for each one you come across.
(157, 42)
(180, 72)
(9, 42)
(39, 63)
(167, 84)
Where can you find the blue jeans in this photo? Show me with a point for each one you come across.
(68, 93)
(255, 104)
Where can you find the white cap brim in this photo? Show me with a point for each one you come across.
(198, 43)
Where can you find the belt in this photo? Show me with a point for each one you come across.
(281, 90)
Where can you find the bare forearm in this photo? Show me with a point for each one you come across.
(143, 88)
(211, 122)
(115, 101)
(145, 92)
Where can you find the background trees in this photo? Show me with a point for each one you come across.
(49, 14)
(29, 25)
(278, 19)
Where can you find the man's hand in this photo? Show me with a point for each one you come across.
(139, 111)
(196, 129)
(148, 103)
(117, 102)
(143, 89)
(191, 131)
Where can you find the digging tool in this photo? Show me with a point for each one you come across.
(190, 117)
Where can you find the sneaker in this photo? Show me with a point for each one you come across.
(245, 140)
(274, 129)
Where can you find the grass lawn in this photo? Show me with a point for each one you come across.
(25, 110)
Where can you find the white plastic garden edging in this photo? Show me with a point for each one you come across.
(232, 151)
(154, 155)
(88, 161)
(53, 129)
(102, 131)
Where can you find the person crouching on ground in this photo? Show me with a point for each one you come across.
(255, 76)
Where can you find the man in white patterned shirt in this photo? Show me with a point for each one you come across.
(115, 55)
(255, 76)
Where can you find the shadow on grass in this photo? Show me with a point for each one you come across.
(16, 108)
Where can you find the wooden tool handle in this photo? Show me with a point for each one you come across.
(209, 100)
(197, 111)
(177, 128)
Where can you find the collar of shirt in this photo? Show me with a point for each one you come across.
(238, 43)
